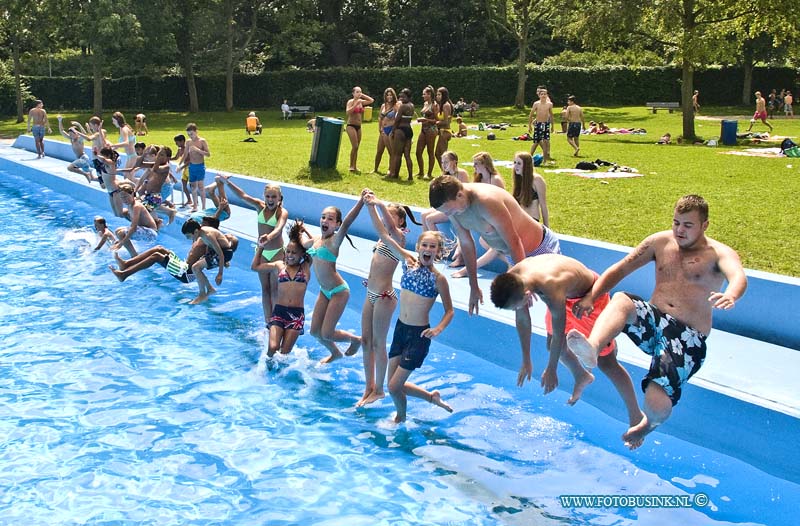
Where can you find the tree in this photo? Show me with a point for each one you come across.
(18, 28)
(687, 29)
(516, 18)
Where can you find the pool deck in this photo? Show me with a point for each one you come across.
(745, 396)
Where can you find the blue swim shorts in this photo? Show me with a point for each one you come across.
(197, 172)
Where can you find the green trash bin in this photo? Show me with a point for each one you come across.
(325, 146)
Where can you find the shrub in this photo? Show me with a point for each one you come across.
(322, 97)
(8, 92)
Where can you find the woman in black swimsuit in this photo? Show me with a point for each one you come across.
(385, 125)
(355, 116)
(402, 135)
(427, 136)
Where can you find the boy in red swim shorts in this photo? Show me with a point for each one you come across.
(560, 281)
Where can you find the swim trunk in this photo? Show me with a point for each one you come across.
(574, 129)
(81, 163)
(151, 201)
(549, 245)
(178, 268)
(166, 192)
(291, 318)
(37, 130)
(541, 131)
(185, 174)
(335, 290)
(209, 212)
(760, 115)
(678, 350)
(787, 109)
(122, 160)
(197, 172)
(212, 258)
(586, 322)
(409, 344)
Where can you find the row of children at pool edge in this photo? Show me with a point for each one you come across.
(582, 319)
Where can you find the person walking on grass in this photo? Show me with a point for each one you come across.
(761, 112)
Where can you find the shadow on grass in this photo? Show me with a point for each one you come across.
(319, 175)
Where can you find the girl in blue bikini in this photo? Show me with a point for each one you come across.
(333, 289)
(271, 221)
(420, 284)
(292, 275)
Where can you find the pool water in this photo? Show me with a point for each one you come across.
(121, 403)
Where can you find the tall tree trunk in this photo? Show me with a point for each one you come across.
(97, 78)
(230, 28)
(522, 76)
(191, 85)
(18, 78)
(331, 11)
(747, 67)
(687, 89)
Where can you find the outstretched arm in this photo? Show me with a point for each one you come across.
(387, 239)
(641, 255)
(258, 204)
(347, 221)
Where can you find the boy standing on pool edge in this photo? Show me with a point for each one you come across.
(37, 122)
(194, 157)
(672, 327)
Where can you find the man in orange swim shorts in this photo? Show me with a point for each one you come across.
(561, 281)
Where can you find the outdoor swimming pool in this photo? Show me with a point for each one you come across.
(121, 403)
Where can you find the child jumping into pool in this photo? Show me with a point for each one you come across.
(333, 289)
(271, 218)
(105, 235)
(420, 285)
(380, 302)
(218, 255)
(292, 275)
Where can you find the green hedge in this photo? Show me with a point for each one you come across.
(599, 86)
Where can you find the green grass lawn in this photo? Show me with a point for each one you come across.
(752, 199)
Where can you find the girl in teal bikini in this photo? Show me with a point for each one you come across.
(333, 289)
(271, 221)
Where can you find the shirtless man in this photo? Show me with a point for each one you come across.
(218, 255)
(195, 157)
(153, 188)
(575, 122)
(81, 163)
(539, 122)
(497, 217)
(761, 112)
(560, 282)
(142, 227)
(672, 327)
(37, 122)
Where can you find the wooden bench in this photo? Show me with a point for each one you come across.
(655, 106)
(303, 110)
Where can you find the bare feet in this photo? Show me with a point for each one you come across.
(399, 419)
(580, 385)
(458, 262)
(577, 151)
(171, 215)
(462, 273)
(355, 345)
(332, 357)
(370, 397)
(120, 276)
(585, 352)
(199, 299)
(634, 436)
(436, 399)
(121, 263)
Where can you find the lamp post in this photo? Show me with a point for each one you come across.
(409, 55)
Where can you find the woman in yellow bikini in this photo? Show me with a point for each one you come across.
(443, 118)
(427, 136)
(271, 221)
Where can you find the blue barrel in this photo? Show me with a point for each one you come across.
(728, 134)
